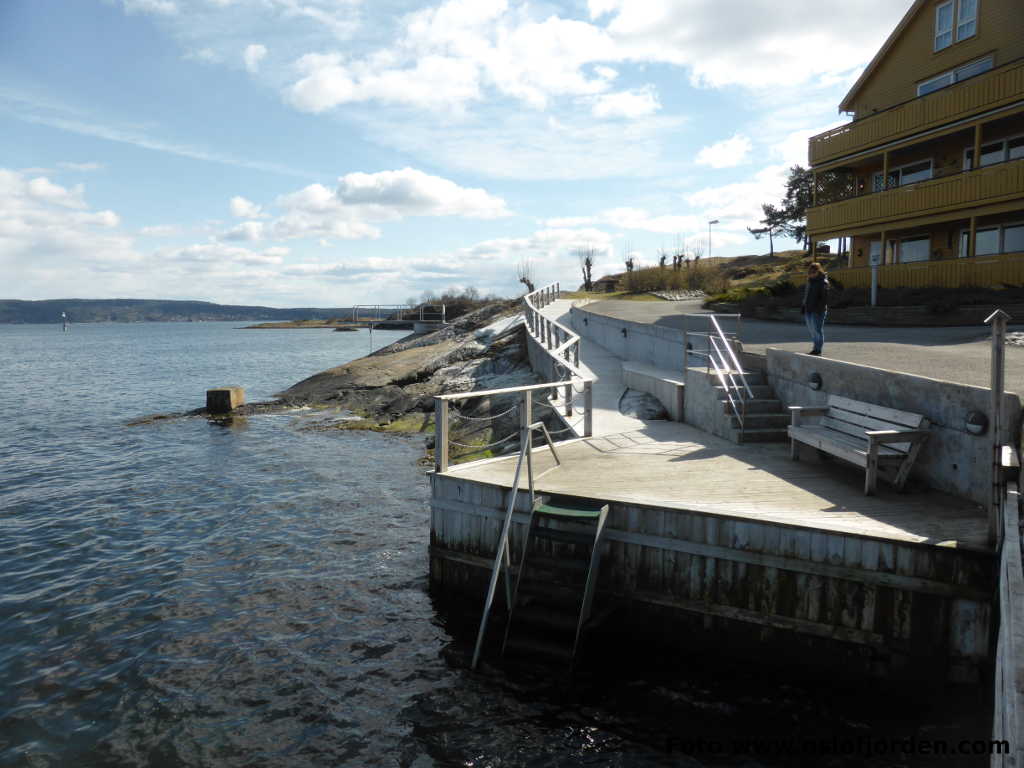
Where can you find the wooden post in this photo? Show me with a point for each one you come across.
(814, 188)
(885, 247)
(977, 148)
(972, 237)
(885, 171)
(998, 321)
(588, 409)
(440, 434)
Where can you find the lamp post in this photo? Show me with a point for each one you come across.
(713, 221)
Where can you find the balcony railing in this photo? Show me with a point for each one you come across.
(993, 89)
(969, 189)
(995, 269)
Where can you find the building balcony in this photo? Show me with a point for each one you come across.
(986, 186)
(990, 90)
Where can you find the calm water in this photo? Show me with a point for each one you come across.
(183, 593)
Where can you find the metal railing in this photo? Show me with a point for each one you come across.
(503, 555)
(560, 342)
(378, 313)
(720, 358)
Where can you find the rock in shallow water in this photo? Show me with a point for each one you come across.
(641, 405)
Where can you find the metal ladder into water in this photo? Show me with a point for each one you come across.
(553, 592)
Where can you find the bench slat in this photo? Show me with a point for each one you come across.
(904, 418)
(863, 421)
(841, 445)
(857, 431)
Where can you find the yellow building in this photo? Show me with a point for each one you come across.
(929, 175)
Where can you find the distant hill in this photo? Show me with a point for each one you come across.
(151, 310)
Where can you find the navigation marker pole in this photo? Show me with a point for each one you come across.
(64, 321)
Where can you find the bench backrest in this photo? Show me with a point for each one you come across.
(854, 418)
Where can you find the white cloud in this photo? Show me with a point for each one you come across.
(244, 209)
(362, 200)
(246, 231)
(161, 7)
(640, 219)
(159, 230)
(410, 192)
(44, 190)
(222, 255)
(727, 153)
(753, 43)
(253, 55)
(638, 102)
(81, 167)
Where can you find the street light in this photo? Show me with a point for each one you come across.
(713, 221)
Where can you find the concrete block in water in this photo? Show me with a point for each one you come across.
(224, 399)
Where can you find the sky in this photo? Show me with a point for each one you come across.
(333, 152)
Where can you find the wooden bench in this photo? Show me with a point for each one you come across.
(862, 433)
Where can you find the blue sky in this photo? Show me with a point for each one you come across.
(330, 152)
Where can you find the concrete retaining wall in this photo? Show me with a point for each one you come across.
(953, 460)
(652, 345)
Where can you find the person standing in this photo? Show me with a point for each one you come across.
(815, 305)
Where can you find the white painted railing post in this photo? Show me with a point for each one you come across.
(568, 399)
(528, 419)
(998, 321)
(588, 408)
(440, 434)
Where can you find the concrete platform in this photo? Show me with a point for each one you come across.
(677, 466)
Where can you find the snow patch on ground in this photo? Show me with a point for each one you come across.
(498, 328)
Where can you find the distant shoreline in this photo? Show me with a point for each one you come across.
(282, 324)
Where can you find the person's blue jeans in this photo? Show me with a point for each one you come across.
(816, 325)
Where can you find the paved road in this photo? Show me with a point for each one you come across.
(958, 354)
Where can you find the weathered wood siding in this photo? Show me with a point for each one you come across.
(918, 601)
(1008, 709)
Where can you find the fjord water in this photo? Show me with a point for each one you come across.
(182, 593)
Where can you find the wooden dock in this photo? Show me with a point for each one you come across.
(700, 526)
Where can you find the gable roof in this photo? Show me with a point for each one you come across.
(844, 105)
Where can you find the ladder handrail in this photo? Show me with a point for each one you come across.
(502, 557)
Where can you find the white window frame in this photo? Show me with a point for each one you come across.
(965, 236)
(916, 238)
(1002, 234)
(943, 32)
(957, 22)
(1005, 141)
(961, 21)
(953, 75)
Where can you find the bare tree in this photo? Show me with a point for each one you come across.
(696, 249)
(586, 255)
(525, 274)
(662, 257)
(627, 256)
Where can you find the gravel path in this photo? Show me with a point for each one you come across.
(958, 354)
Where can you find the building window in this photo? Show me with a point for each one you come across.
(944, 26)
(967, 19)
(915, 249)
(939, 82)
(1008, 238)
(996, 152)
(966, 12)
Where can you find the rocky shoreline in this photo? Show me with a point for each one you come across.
(392, 389)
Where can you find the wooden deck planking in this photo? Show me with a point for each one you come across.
(755, 482)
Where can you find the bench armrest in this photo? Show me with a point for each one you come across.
(796, 412)
(896, 435)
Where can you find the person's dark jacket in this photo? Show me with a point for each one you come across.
(815, 296)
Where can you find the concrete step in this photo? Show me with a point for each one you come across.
(761, 391)
(762, 421)
(759, 405)
(767, 435)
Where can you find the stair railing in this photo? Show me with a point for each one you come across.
(721, 358)
(503, 556)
